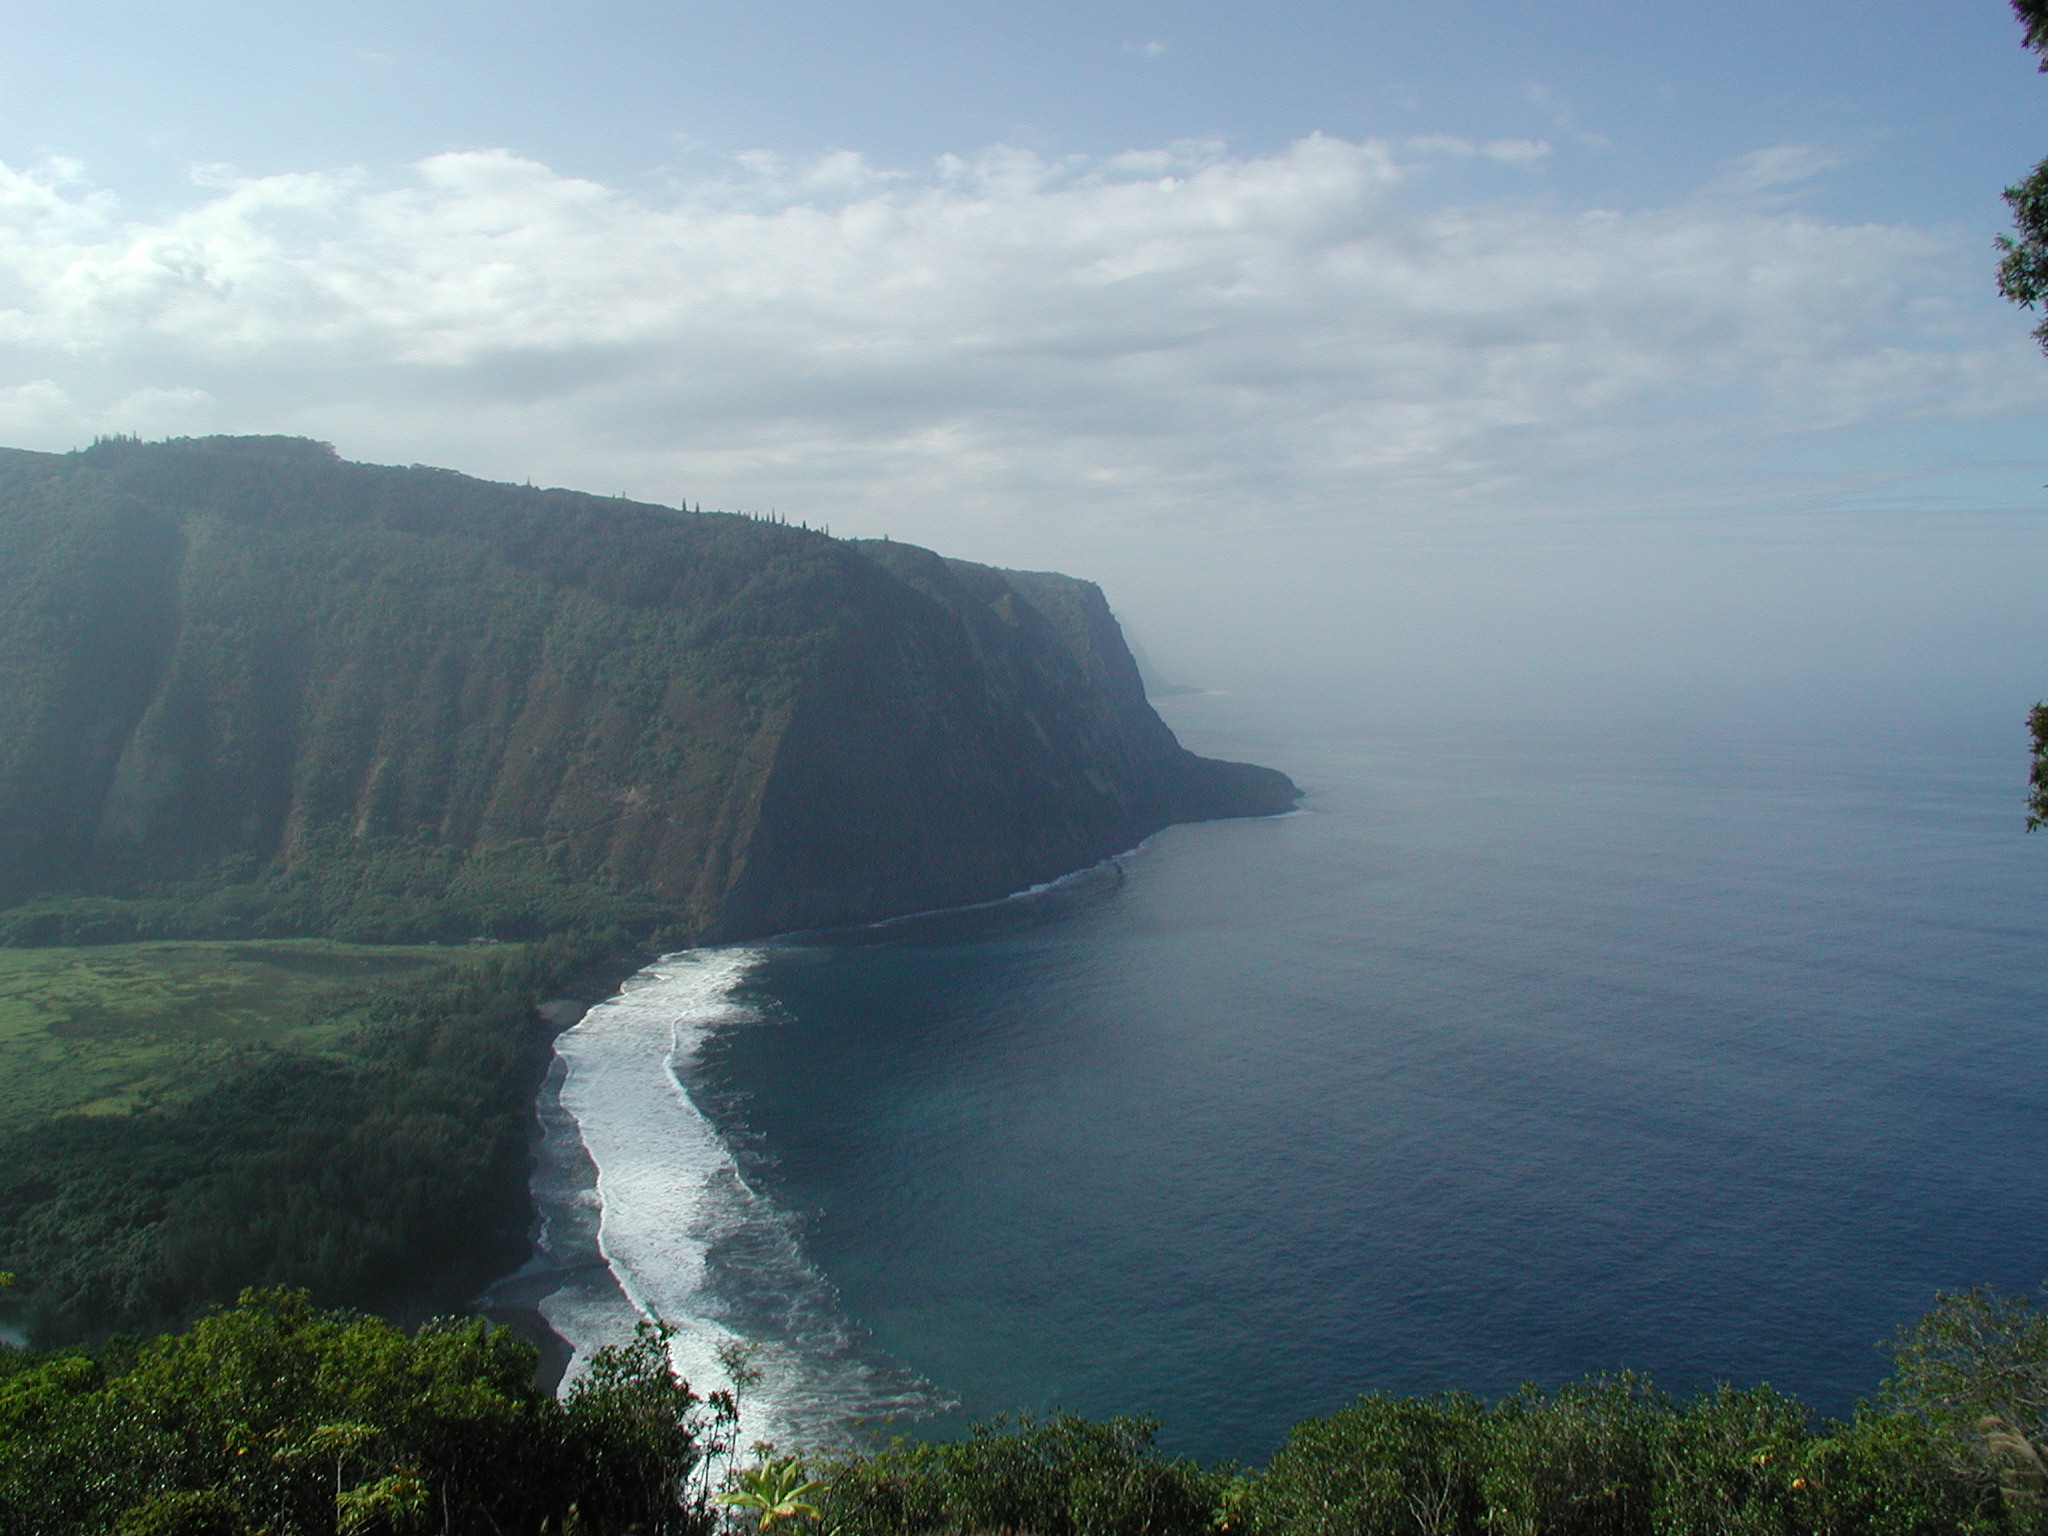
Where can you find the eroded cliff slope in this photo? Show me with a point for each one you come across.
(253, 688)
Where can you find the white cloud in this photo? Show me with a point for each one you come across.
(1508, 151)
(1172, 335)
(156, 412)
(39, 410)
(1769, 171)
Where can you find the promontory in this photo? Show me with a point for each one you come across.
(253, 689)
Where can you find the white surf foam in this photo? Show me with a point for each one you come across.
(683, 1236)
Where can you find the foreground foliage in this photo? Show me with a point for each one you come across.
(277, 1418)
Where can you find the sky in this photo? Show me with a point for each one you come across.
(1501, 357)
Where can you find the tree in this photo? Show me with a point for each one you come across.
(2033, 15)
(2023, 278)
(2037, 777)
(2023, 272)
(638, 1433)
(280, 1417)
(1975, 1369)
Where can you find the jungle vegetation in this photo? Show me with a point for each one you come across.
(280, 1418)
(308, 1115)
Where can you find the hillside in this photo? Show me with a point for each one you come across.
(257, 690)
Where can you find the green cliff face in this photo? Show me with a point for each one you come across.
(252, 688)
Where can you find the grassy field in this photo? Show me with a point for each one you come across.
(111, 1029)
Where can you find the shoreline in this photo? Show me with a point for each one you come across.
(512, 1297)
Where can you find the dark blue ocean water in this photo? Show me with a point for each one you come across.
(1520, 1053)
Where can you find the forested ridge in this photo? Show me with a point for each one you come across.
(256, 690)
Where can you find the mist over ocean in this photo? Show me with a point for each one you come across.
(1521, 1052)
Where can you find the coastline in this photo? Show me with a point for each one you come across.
(514, 1297)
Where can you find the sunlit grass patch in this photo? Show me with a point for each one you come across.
(116, 1028)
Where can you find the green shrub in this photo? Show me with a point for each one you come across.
(1579, 1461)
(1731, 1465)
(276, 1416)
(1385, 1466)
(1064, 1476)
(1890, 1474)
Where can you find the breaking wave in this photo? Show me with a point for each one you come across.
(644, 1213)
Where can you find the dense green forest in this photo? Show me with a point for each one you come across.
(279, 1418)
(375, 1155)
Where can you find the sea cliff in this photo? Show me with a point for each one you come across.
(254, 688)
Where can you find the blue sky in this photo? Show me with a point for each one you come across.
(1512, 350)
(1639, 100)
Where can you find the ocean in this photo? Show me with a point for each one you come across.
(1523, 1051)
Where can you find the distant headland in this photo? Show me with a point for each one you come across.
(256, 690)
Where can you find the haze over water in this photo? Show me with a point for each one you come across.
(1521, 1052)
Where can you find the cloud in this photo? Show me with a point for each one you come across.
(1765, 172)
(39, 410)
(1507, 151)
(1178, 336)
